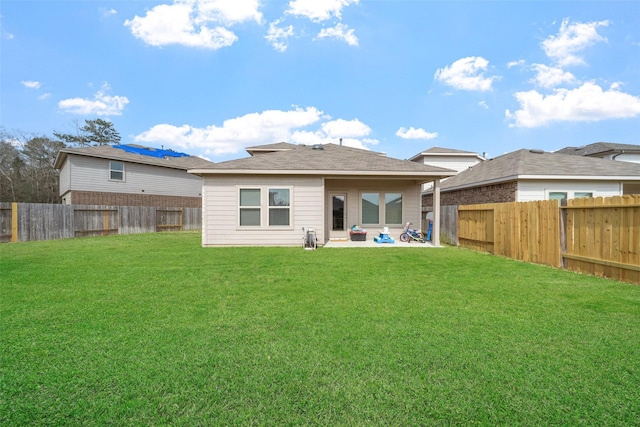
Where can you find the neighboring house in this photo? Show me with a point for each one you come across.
(267, 199)
(129, 175)
(606, 150)
(527, 175)
(448, 158)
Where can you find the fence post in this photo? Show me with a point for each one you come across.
(14, 222)
(563, 232)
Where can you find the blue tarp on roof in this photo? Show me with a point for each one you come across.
(152, 152)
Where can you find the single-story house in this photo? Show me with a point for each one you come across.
(606, 150)
(268, 198)
(129, 175)
(527, 175)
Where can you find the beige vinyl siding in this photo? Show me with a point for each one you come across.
(92, 174)
(220, 211)
(65, 178)
(539, 190)
(353, 188)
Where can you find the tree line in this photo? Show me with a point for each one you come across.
(27, 172)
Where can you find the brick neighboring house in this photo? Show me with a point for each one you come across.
(606, 150)
(527, 175)
(129, 175)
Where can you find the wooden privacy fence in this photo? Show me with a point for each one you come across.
(598, 236)
(603, 237)
(21, 222)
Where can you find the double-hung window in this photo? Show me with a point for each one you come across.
(264, 207)
(116, 171)
(250, 209)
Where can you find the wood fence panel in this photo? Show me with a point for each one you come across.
(137, 219)
(39, 221)
(192, 218)
(526, 231)
(603, 237)
(90, 220)
(5, 222)
(476, 227)
(169, 219)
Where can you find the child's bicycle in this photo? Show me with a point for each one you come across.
(412, 234)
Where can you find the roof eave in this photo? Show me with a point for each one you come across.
(354, 173)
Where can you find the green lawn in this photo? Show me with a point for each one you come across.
(155, 330)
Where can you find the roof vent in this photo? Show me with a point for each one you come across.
(536, 151)
(318, 147)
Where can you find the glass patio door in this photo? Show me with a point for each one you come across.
(338, 226)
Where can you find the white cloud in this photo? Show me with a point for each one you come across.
(319, 10)
(194, 23)
(278, 36)
(345, 129)
(549, 77)
(571, 40)
(102, 104)
(234, 134)
(466, 74)
(31, 84)
(413, 133)
(261, 128)
(44, 96)
(588, 102)
(340, 32)
(108, 12)
(517, 63)
(483, 104)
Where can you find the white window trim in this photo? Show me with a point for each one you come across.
(124, 175)
(571, 194)
(381, 208)
(264, 208)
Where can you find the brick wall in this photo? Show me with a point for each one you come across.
(124, 199)
(496, 193)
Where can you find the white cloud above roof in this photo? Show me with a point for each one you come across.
(467, 74)
(564, 48)
(102, 104)
(588, 102)
(549, 77)
(194, 23)
(31, 84)
(345, 128)
(340, 32)
(413, 133)
(317, 10)
(234, 134)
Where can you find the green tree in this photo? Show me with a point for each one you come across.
(94, 132)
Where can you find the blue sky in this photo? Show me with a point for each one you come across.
(210, 78)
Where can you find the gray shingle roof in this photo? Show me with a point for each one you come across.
(108, 152)
(445, 151)
(599, 148)
(327, 158)
(531, 163)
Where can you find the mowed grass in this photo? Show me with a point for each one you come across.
(155, 330)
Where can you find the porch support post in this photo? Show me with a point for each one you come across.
(435, 231)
